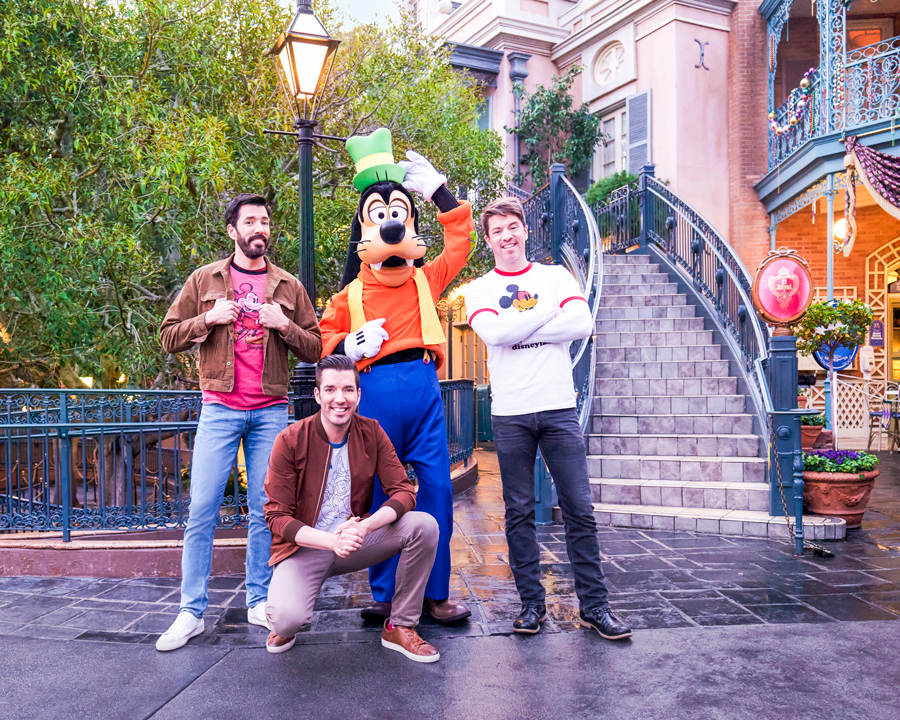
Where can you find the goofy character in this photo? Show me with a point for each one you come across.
(384, 319)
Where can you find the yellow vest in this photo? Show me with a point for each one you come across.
(432, 333)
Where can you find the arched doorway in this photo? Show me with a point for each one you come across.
(878, 264)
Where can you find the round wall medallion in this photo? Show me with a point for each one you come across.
(609, 64)
(783, 287)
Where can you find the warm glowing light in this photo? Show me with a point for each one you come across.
(89, 381)
(4, 336)
(304, 49)
(122, 378)
(840, 229)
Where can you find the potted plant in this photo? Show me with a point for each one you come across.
(810, 428)
(829, 325)
(837, 483)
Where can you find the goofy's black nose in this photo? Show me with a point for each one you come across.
(392, 231)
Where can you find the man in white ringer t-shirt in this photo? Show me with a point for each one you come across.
(527, 314)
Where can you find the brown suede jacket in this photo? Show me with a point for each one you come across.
(185, 325)
(298, 470)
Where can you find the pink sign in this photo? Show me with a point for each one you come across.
(782, 288)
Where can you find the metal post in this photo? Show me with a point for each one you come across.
(786, 448)
(829, 244)
(449, 340)
(65, 452)
(648, 171)
(557, 212)
(773, 229)
(303, 380)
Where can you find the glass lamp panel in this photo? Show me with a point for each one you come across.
(308, 62)
(287, 66)
(309, 24)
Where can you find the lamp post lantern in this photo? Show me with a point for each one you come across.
(304, 50)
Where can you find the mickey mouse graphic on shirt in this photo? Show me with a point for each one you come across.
(247, 324)
(521, 300)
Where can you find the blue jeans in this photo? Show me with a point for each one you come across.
(558, 434)
(219, 435)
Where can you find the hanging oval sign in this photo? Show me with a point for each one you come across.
(843, 357)
(783, 289)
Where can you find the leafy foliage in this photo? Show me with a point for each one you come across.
(845, 461)
(827, 326)
(603, 188)
(126, 127)
(553, 132)
(813, 420)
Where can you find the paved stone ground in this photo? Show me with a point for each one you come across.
(656, 580)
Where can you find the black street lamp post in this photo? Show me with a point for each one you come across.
(304, 50)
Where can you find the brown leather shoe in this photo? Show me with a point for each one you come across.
(445, 611)
(407, 641)
(376, 612)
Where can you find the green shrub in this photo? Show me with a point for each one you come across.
(603, 188)
(843, 461)
(813, 420)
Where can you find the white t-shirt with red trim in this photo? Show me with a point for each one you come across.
(526, 377)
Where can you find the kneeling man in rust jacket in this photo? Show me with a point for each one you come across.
(319, 486)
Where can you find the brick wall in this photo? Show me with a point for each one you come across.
(747, 132)
(876, 228)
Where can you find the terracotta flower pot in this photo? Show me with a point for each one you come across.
(839, 495)
(808, 435)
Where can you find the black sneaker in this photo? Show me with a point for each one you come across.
(604, 622)
(530, 619)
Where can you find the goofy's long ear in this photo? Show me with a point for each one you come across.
(353, 264)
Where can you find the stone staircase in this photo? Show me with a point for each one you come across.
(671, 446)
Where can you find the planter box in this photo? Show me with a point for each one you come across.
(839, 495)
(808, 435)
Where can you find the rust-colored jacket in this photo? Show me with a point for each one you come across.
(185, 325)
(298, 470)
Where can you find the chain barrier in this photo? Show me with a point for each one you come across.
(817, 550)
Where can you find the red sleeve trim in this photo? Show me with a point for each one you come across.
(574, 297)
(472, 316)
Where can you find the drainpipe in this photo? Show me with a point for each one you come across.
(773, 229)
(517, 73)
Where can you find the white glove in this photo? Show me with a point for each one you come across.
(365, 342)
(421, 177)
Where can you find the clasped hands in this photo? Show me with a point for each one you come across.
(225, 312)
(349, 536)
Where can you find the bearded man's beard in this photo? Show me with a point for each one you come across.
(250, 250)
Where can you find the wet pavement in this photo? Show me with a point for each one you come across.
(656, 580)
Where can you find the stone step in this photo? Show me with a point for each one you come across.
(673, 467)
(651, 325)
(679, 353)
(637, 313)
(676, 387)
(673, 493)
(641, 300)
(680, 444)
(722, 522)
(653, 339)
(668, 288)
(679, 368)
(661, 405)
(626, 259)
(637, 276)
(739, 424)
(629, 269)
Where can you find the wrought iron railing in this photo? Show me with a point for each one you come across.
(863, 87)
(718, 275)
(618, 219)
(121, 459)
(538, 209)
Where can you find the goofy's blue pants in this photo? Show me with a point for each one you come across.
(405, 398)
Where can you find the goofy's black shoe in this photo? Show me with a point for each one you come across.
(530, 619)
(604, 622)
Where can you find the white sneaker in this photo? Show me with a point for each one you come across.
(183, 629)
(257, 615)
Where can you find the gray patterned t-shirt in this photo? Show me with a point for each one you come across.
(336, 498)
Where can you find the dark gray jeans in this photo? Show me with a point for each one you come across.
(557, 432)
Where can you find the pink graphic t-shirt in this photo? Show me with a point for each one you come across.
(250, 293)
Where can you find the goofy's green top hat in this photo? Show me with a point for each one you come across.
(374, 159)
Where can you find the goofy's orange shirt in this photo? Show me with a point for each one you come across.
(400, 305)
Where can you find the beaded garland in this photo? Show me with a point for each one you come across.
(798, 101)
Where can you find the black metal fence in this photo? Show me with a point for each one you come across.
(120, 459)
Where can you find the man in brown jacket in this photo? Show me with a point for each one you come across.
(320, 484)
(245, 313)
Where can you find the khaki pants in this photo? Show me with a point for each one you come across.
(296, 580)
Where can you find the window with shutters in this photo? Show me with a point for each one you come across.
(639, 141)
(610, 158)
